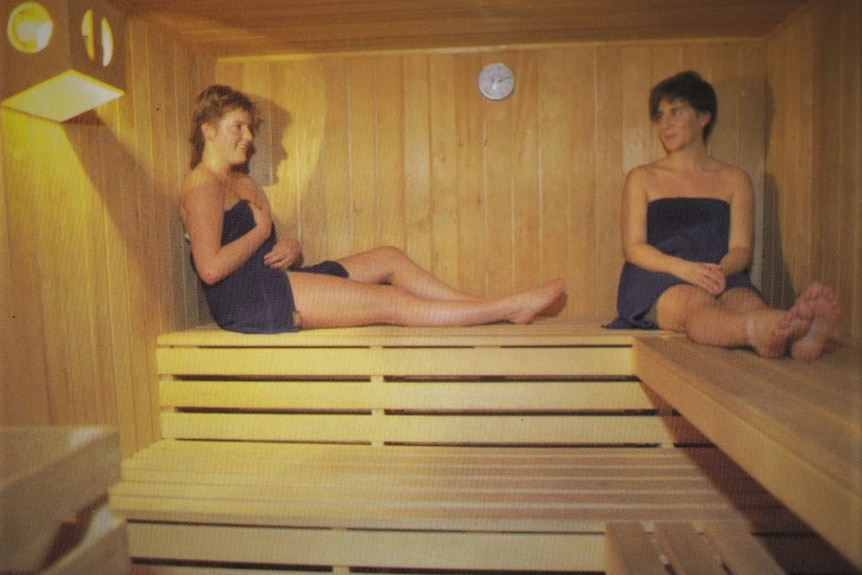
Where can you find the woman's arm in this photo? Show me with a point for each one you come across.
(741, 239)
(286, 251)
(202, 212)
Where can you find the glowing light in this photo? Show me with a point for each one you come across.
(89, 37)
(61, 58)
(107, 43)
(30, 28)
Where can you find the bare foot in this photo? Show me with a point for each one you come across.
(533, 302)
(825, 313)
(770, 331)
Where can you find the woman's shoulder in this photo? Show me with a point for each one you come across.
(727, 170)
(199, 178)
(201, 187)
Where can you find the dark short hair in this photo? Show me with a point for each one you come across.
(691, 88)
(210, 105)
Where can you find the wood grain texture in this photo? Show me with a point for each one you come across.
(270, 28)
(490, 196)
(777, 419)
(358, 150)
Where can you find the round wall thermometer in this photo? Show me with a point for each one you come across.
(496, 81)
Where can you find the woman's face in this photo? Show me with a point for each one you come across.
(679, 125)
(231, 137)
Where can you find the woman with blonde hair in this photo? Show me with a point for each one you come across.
(253, 281)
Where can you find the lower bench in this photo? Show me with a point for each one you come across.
(724, 549)
(494, 448)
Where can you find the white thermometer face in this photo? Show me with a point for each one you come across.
(496, 81)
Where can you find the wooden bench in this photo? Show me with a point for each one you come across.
(795, 427)
(54, 515)
(390, 449)
(678, 548)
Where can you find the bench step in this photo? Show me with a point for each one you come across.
(724, 548)
(363, 506)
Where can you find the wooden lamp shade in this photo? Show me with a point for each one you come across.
(60, 58)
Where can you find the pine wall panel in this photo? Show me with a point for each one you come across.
(396, 148)
(364, 150)
(813, 170)
(92, 260)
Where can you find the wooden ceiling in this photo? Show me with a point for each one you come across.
(253, 28)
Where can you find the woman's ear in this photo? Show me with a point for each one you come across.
(705, 119)
(208, 131)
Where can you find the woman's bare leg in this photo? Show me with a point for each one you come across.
(738, 320)
(389, 265)
(328, 301)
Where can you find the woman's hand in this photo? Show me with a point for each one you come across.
(707, 276)
(284, 254)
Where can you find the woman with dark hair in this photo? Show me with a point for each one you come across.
(253, 282)
(687, 225)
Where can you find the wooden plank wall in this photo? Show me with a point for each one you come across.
(91, 250)
(363, 150)
(813, 172)
(399, 149)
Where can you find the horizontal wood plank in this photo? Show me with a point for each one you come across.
(358, 548)
(475, 396)
(48, 474)
(548, 332)
(403, 361)
(438, 429)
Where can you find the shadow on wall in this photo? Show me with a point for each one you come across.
(142, 207)
(777, 284)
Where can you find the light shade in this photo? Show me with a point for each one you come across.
(61, 58)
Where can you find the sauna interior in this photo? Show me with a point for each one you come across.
(375, 134)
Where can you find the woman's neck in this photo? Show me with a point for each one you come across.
(221, 170)
(689, 159)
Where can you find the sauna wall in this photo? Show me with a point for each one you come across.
(91, 252)
(813, 176)
(400, 149)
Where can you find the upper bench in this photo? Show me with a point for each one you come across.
(795, 427)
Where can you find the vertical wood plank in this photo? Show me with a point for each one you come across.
(443, 168)
(336, 144)
(753, 126)
(363, 142)
(498, 188)
(529, 202)
(417, 152)
(582, 266)
(391, 154)
(609, 175)
(529, 259)
(26, 398)
(469, 164)
(637, 126)
(555, 157)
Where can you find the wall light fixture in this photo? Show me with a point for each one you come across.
(61, 58)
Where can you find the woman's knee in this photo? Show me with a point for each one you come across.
(676, 305)
(741, 300)
(389, 253)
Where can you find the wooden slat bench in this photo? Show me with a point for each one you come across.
(724, 549)
(54, 513)
(495, 448)
(795, 427)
